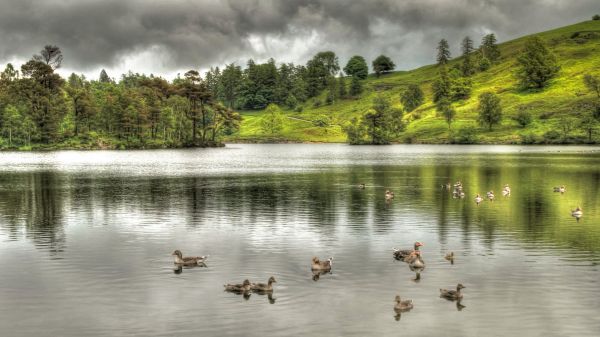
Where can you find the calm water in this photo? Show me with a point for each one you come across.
(86, 238)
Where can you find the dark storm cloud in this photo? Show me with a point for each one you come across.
(190, 33)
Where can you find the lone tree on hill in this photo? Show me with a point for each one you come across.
(490, 110)
(444, 108)
(357, 66)
(383, 64)
(443, 55)
(538, 64)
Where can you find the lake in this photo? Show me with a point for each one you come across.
(86, 241)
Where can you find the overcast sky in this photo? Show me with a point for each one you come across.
(169, 36)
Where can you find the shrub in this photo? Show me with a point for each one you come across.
(529, 138)
(551, 136)
(484, 64)
(523, 117)
(299, 108)
(317, 103)
(321, 121)
(465, 135)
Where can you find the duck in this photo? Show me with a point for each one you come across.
(506, 190)
(318, 265)
(401, 254)
(415, 261)
(447, 186)
(402, 306)
(449, 256)
(389, 194)
(478, 199)
(452, 294)
(188, 260)
(238, 288)
(561, 189)
(361, 186)
(262, 287)
(577, 212)
(490, 195)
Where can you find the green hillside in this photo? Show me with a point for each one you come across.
(577, 48)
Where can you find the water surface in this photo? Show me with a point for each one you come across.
(86, 238)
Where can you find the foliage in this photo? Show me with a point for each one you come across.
(357, 66)
(378, 125)
(596, 17)
(443, 52)
(412, 97)
(523, 117)
(444, 108)
(538, 65)
(451, 86)
(464, 135)
(589, 124)
(490, 110)
(467, 67)
(489, 48)
(592, 83)
(355, 86)
(383, 64)
(484, 63)
(272, 120)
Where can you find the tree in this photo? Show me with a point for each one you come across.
(444, 108)
(329, 61)
(11, 122)
(442, 86)
(357, 66)
(412, 97)
(378, 125)
(596, 17)
(467, 49)
(343, 92)
(589, 124)
(104, 77)
(332, 90)
(272, 120)
(383, 64)
(592, 83)
(443, 55)
(538, 65)
(489, 48)
(51, 55)
(231, 80)
(355, 86)
(490, 110)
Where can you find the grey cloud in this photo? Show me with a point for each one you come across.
(199, 34)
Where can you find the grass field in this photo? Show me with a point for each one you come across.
(564, 97)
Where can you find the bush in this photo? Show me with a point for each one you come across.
(321, 121)
(484, 64)
(317, 103)
(596, 17)
(299, 108)
(465, 135)
(529, 138)
(523, 117)
(552, 136)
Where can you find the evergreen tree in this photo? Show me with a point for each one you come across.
(443, 52)
(343, 92)
(489, 48)
(231, 81)
(490, 110)
(104, 77)
(538, 64)
(467, 49)
(442, 86)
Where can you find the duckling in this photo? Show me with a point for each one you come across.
(402, 306)
(238, 288)
(490, 195)
(506, 190)
(452, 294)
(265, 288)
(478, 199)
(389, 195)
(449, 256)
(361, 186)
(561, 189)
(188, 260)
(321, 265)
(577, 212)
(401, 254)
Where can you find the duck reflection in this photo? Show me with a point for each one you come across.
(459, 305)
(178, 269)
(316, 274)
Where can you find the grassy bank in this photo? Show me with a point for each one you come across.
(577, 48)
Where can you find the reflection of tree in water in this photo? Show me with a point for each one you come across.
(35, 201)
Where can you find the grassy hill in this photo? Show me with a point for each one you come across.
(577, 48)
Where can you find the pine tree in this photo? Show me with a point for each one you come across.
(489, 48)
(443, 55)
(343, 92)
(355, 86)
(538, 64)
(467, 49)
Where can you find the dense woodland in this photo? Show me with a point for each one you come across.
(39, 109)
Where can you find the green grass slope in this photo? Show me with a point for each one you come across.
(578, 54)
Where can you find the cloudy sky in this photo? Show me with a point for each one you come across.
(169, 36)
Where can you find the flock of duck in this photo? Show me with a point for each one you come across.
(412, 257)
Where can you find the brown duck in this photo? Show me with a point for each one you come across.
(262, 287)
(401, 254)
(188, 260)
(238, 288)
(321, 265)
(402, 306)
(452, 294)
